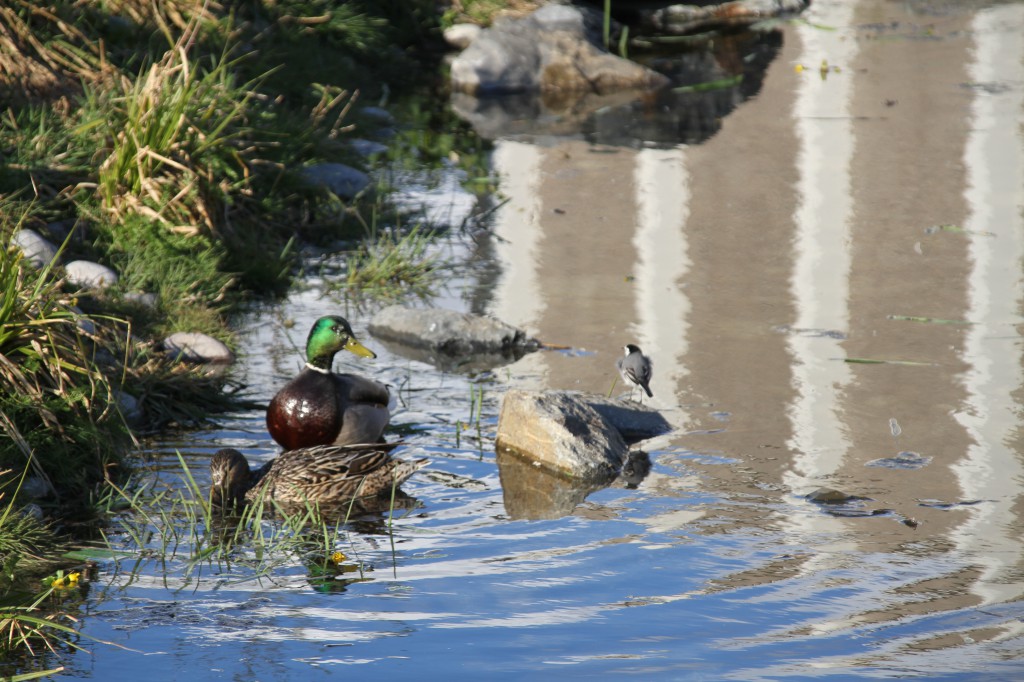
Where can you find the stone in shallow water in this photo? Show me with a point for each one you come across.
(561, 432)
(448, 331)
(904, 460)
(832, 496)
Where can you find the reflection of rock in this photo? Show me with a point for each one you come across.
(554, 49)
(708, 81)
(684, 18)
(634, 469)
(577, 435)
(450, 339)
(530, 491)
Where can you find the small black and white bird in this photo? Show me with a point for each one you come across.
(635, 368)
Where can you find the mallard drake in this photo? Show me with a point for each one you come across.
(321, 407)
(323, 474)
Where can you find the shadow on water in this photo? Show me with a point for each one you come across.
(841, 495)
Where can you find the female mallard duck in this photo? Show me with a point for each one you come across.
(319, 407)
(323, 474)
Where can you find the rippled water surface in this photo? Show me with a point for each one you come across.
(830, 287)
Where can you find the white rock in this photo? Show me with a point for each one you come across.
(461, 35)
(143, 299)
(197, 347)
(38, 250)
(89, 275)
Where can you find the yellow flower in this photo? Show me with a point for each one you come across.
(338, 557)
(73, 577)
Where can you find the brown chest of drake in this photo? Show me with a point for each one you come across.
(317, 408)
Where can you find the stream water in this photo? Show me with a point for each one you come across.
(829, 284)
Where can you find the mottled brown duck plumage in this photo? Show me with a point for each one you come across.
(324, 473)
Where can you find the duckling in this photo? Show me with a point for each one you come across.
(321, 407)
(323, 474)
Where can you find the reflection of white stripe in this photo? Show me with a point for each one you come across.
(820, 281)
(663, 198)
(517, 295)
(994, 159)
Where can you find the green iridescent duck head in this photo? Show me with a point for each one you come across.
(329, 335)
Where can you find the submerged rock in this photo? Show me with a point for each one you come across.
(197, 347)
(450, 333)
(560, 431)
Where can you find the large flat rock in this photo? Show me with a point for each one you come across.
(560, 431)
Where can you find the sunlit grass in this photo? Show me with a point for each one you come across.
(52, 390)
(394, 266)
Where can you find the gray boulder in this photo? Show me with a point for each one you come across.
(449, 332)
(197, 347)
(554, 50)
(561, 432)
